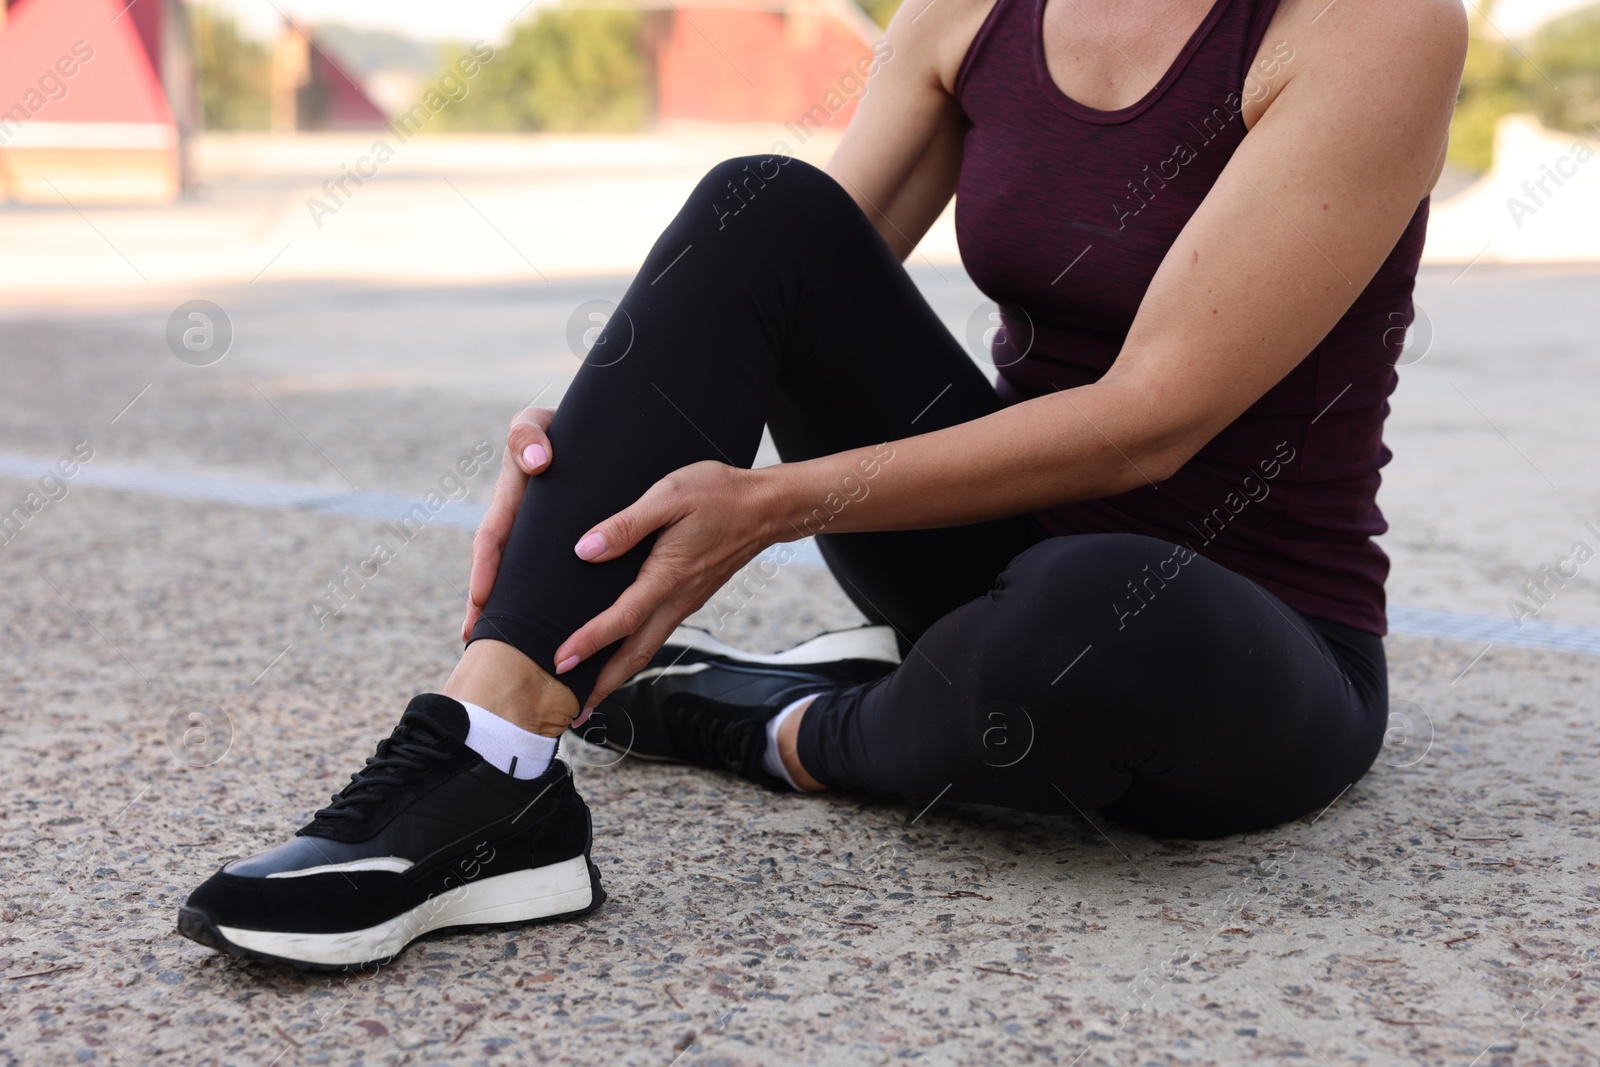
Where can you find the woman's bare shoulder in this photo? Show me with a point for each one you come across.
(1410, 54)
(933, 36)
(1416, 33)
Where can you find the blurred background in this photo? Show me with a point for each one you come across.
(242, 129)
(408, 217)
(272, 271)
(241, 132)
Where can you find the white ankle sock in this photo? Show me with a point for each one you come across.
(771, 762)
(506, 745)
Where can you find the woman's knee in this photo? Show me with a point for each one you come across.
(733, 192)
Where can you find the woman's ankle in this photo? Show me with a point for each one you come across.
(498, 677)
(789, 751)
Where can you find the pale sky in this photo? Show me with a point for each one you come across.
(1519, 18)
(428, 20)
(470, 20)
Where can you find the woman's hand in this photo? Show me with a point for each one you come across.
(713, 519)
(528, 452)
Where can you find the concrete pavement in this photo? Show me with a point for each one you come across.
(1442, 911)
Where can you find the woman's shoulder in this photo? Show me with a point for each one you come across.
(1413, 32)
(934, 35)
(1407, 53)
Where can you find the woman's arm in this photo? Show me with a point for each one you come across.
(1301, 218)
(901, 154)
(899, 159)
(1305, 212)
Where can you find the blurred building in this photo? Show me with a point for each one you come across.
(311, 90)
(757, 60)
(96, 100)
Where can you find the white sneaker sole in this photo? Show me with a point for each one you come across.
(537, 893)
(864, 642)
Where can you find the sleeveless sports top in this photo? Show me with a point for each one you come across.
(1063, 214)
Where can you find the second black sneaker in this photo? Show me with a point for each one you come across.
(425, 837)
(703, 702)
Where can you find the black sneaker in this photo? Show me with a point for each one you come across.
(427, 836)
(706, 703)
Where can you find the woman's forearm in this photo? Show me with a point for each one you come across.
(1078, 444)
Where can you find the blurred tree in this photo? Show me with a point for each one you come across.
(580, 70)
(232, 73)
(1556, 76)
(1491, 86)
(1565, 82)
(881, 11)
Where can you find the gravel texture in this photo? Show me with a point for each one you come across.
(1442, 911)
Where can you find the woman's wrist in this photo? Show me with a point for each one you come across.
(774, 492)
(809, 497)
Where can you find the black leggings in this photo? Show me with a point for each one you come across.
(771, 300)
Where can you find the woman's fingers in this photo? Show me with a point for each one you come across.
(634, 654)
(473, 612)
(691, 508)
(490, 541)
(487, 546)
(631, 525)
(620, 620)
(528, 441)
(528, 451)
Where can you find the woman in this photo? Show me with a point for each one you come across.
(1137, 575)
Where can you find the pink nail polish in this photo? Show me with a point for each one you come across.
(534, 456)
(591, 545)
(582, 718)
(566, 665)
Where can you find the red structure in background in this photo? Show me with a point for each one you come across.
(332, 100)
(85, 112)
(163, 29)
(97, 97)
(746, 63)
(311, 91)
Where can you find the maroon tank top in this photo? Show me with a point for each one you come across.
(1063, 214)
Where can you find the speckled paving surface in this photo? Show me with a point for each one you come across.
(1443, 911)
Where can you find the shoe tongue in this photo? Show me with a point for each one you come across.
(442, 713)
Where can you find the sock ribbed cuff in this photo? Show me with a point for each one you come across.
(504, 744)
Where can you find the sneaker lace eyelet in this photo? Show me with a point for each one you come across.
(407, 751)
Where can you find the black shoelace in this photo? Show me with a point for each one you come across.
(401, 754)
(712, 730)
